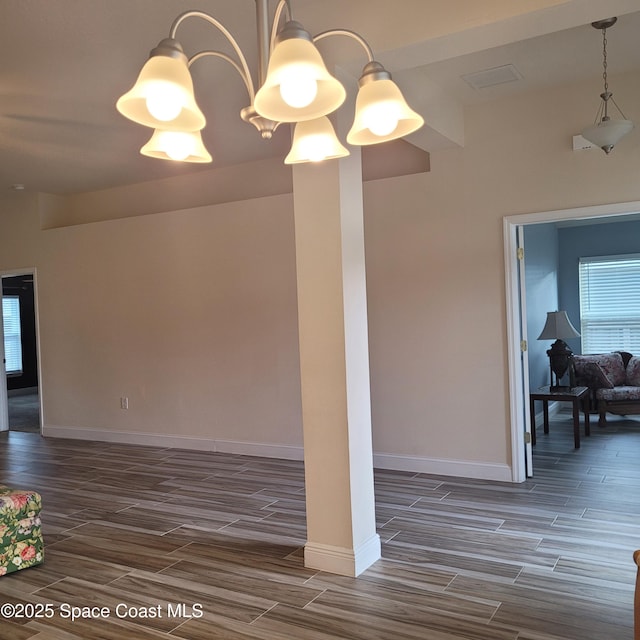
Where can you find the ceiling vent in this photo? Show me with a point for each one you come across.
(492, 77)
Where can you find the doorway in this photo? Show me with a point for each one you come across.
(21, 372)
(518, 362)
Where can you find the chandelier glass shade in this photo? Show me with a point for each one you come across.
(298, 86)
(183, 146)
(382, 113)
(163, 93)
(314, 141)
(294, 87)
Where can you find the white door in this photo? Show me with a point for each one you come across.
(524, 354)
(521, 458)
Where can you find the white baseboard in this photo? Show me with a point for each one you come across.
(556, 407)
(283, 451)
(393, 462)
(343, 561)
(444, 467)
(261, 449)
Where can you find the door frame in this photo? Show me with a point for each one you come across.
(4, 402)
(518, 400)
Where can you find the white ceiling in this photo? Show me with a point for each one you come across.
(65, 63)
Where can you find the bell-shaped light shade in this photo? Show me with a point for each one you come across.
(382, 113)
(607, 133)
(298, 86)
(314, 141)
(182, 146)
(558, 327)
(162, 96)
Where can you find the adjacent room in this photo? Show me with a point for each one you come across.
(275, 388)
(590, 270)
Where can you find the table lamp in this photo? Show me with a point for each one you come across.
(558, 327)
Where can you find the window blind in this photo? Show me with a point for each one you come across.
(12, 337)
(610, 303)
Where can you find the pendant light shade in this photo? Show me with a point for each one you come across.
(607, 133)
(298, 86)
(314, 141)
(382, 113)
(162, 96)
(182, 146)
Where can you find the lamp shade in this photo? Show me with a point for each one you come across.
(162, 96)
(182, 146)
(313, 141)
(382, 113)
(607, 133)
(558, 327)
(298, 86)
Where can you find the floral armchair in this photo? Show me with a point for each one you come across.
(21, 543)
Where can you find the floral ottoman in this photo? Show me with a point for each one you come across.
(21, 544)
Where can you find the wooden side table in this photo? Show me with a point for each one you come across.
(577, 396)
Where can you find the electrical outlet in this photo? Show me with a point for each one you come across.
(124, 402)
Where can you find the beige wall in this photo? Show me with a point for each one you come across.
(192, 314)
(435, 264)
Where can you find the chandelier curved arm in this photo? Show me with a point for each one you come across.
(242, 68)
(282, 5)
(219, 54)
(351, 34)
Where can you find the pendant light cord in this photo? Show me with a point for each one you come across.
(607, 95)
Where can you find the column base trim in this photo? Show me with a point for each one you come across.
(340, 560)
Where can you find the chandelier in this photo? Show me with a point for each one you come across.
(294, 86)
(605, 132)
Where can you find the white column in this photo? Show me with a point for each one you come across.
(334, 362)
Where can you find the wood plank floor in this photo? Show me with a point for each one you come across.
(134, 529)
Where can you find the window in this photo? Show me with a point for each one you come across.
(610, 303)
(12, 337)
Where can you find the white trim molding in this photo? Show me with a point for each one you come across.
(340, 560)
(261, 449)
(389, 461)
(443, 467)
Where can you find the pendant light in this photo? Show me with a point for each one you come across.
(605, 132)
